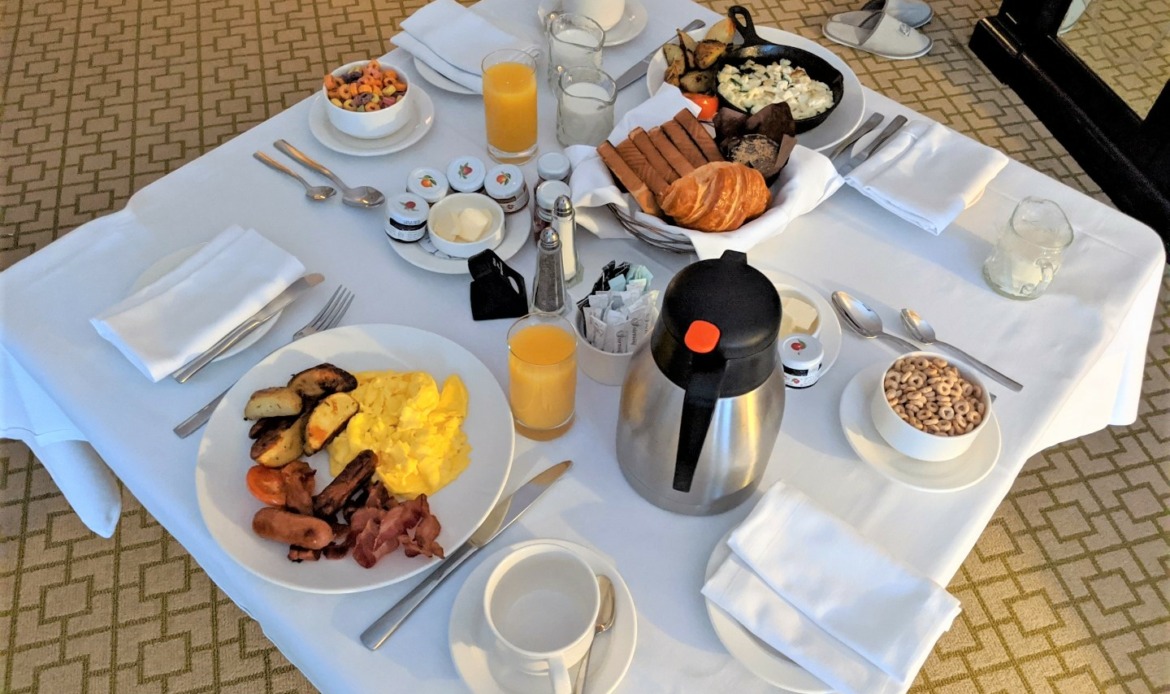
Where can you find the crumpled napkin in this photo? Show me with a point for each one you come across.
(927, 174)
(807, 181)
(810, 586)
(172, 320)
(454, 41)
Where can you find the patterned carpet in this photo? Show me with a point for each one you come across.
(1065, 592)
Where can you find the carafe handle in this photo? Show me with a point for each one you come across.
(702, 394)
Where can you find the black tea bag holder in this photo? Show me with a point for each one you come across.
(497, 291)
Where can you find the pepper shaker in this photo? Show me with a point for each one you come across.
(548, 287)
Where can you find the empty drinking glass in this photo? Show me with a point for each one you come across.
(573, 41)
(585, 97)
(1029, 250)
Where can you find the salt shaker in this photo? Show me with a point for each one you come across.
(564, 220)
(548, 287)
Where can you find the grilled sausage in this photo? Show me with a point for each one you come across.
(291, 528)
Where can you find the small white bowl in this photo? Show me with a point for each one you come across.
(442, 222)
(916, 443)
(604, 367)
(370, 125)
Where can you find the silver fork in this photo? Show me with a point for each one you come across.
(328, 317)
(874, 146)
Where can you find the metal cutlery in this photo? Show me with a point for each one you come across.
(505, 512)
(326, 318)
(312, 192)
(249, 326)
(639, 69)
(923, 332)
(864, 321)
(894, 126)
(862, 131)
(604, 622)
(362, 196)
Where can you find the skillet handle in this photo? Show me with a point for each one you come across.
(742, 19)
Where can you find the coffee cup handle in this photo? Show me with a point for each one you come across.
(558, 671)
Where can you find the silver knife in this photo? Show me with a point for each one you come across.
(856, 135)
(504, 513)
(289, 295)
(637, 71)
(894, 126)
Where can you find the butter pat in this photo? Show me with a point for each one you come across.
(797, 316)
(471, 224)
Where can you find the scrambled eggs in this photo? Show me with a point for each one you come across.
(415, 430)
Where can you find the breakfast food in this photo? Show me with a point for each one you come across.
(797, 315)
(689, 63)
(322, 379)
(369, 88)
(327, 419)
(718, 196)
(292, 528)
(281, 401)
(281, 442)
(752, 86)
(932, 396)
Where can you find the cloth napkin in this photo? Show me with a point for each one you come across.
(927, 174)
(808, 585)
(454, 41)
(807, 181)
(172, 320)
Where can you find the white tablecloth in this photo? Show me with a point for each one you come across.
(1079, 351)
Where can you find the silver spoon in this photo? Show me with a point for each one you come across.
(605, 614)
(363, 196)
(317, 193)
(864, 321)
(923, 332)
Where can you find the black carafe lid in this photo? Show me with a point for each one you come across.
(715, 338)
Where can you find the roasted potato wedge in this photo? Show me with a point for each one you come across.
(722, 31)
(280, 401)
(674, 71)
(327, 419)
(698, 82)
(262, 425)
(280, 445)
(322, 379)
(672, 52)
(684, 39)
(708, 52)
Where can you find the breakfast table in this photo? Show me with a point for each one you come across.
(1079, 351)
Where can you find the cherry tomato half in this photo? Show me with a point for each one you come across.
(266, 484)
(708, 105)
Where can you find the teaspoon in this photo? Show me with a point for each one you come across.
(923, 332)
(317, 193)
(605, 614)
(363, 196)
(864, 320)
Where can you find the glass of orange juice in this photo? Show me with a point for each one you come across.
(542, 375)
(509, 104)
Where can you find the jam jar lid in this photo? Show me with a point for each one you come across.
(548, 192)
(408, 209)
(552, 166)
(801, 352)
(428, 184)
(504, 181)
(466, 174)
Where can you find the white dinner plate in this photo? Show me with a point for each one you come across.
(631, 24)
(223, 461)
(765, 662)
(423, 253)
(945, 476)
(171, 261)
(412, 132)
(440, 80)
(842, 121)
(830, 328)
(467, 633)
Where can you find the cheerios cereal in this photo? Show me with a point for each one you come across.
(931, 395)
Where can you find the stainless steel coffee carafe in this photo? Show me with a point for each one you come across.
(701, 404)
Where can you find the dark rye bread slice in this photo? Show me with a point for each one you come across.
(684, 143)
(626, 176)
(642, 167)
(699, 134)
(677, 161)
(642, 142)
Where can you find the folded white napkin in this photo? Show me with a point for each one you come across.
(807, 584)
(807, 180)
(172, 320)
(454, 41)
(927, 174)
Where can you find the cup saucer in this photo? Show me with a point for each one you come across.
(467, 633)
(412, 132)
(628, 28)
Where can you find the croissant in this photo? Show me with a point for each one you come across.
(718, 196)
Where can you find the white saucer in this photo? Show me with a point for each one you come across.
(627, 29)
(334, 139)
(423, 253)
(829, 330)
(946, 476)
(764, 661)
(612, 654)
(440, 80)
(169, 262)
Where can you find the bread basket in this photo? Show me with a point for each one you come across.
(653, 235)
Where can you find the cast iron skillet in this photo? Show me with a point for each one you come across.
(766, 53)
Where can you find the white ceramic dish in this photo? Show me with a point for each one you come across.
(842, 121)
(947, 476)
(829, 329)
(764, 661)
(412, 132)
(171, 261)
(424, 254)
(627, 29)
(223, 461)
(612, 654)
(372, 125)
(441, 220)
(439, 80)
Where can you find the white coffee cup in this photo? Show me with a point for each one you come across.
(607, 13)
(540, 607)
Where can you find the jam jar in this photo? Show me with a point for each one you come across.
(800, 358)
(407, 221)
(546, 196)
(466, 174)
(428, 184)
(505, 184)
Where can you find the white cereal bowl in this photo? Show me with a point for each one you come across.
(913, 442)
(442, 221)
(370, 125)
